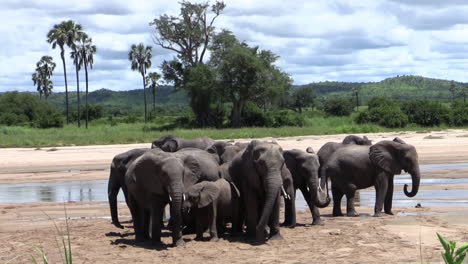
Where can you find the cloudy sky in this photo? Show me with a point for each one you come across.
(335, 40)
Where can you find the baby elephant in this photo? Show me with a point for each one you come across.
(216, 203)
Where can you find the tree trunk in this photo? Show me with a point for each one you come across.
(62, 55)
(86, 96)
(237, 114)
(144, 94)
(78, 94)
(154, 99)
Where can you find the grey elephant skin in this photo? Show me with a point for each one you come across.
(172, 143)
(304, 168)
(215, 204)
(257, 172)
(157, 178)
(225, 151)
(357, 167)
(119, 166)
(327, 150)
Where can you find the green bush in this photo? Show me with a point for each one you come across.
(338, 107)
(252, 115)
(459, 114)
(285, 118)
(425, 113)
(49, 117)
(387, 116)
(376, 102)
(130, 119)
(25, 109)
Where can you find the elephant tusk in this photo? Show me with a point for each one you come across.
(183, 197)
(170, 199)
(285, 194)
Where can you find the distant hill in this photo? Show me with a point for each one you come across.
(122, 101)
(399, 88)
(405, 87)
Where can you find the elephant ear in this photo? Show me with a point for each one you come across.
(234, 189)
(192, 171)
(381, 155)
(310, 150)
(208, 194)
(171, 145)
(193, 192)
(399, 140)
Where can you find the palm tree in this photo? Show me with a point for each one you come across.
(140, 57)
(37, 82)
(87, 53)
(44, 70)
(152, 82)
(78, 61)
(64, 34)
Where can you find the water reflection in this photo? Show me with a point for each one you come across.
(78, 191)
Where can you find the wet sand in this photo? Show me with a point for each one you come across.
(363, 239)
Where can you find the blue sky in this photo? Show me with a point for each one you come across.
(335, 40)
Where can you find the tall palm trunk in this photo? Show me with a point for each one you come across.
(62, 55)
(86, 96)
(78, 94)
(154, 99)
(144, 93)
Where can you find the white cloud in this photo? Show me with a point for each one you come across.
(317, 40)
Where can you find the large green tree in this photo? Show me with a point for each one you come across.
(245, 74)
(140, 58)
(64, 34)
(188, 35)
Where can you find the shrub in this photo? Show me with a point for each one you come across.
(49, 117)
(252, 115)
(459, 114)
(338, 107)
(19, 109)
(387, 116)
(285, 118)
(130, 119)
(425, 113)
(376, 102)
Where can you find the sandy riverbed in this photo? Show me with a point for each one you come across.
(344, 240)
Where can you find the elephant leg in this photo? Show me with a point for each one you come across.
(274, 221)
(337, 196)
(146, 217)
(290, 211)
(251, 217)
(389, 197)
(313, 209)
(213, 228)
(381, 186)
(350, 193)
(156, 216)
(237, 219)
(137, 219)
(199, 224)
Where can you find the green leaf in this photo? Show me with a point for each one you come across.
(444, 243)
(463, 248)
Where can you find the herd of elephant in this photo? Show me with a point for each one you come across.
(209, 184)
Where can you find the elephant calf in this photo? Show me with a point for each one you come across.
(216, 203)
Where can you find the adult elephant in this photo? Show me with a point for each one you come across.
(257, 172)
(225, 151)
(304, 170)
(172, 143)
(119, 166)
(357, 167)
(158, 177)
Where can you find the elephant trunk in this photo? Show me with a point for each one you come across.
(415, 177)
(323, 186)
(176, 194)
(315, 194)
(112, 192)
(272, 189)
